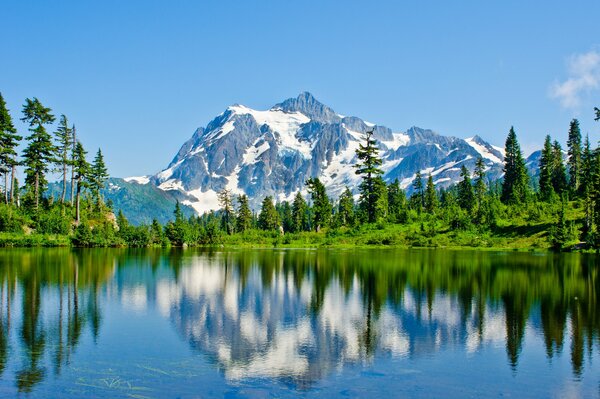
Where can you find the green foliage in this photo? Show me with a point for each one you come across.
(299, 214)
(40, 151)
(431, 199)
(321, 209)
(574, 152)
(244, 214)
(373, 196)
(97, 175)
(515, 185)
(268, 219)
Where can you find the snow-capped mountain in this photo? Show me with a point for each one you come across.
(274, 152)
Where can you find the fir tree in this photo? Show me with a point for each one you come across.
(574, 152)
(546, 171)
(559, 174)
(346, 208)
(285, 215)
(515, 186)
(418, 196)
(466, 196)
(9, 140)
(431, 199)
(244, 214)
(299, 214)
(370, 187)
(39, 153)
(82, 170)
(227, 216)
(64, 139)
(321, 205)
(98, 176)
(268, 219)
(587, 173)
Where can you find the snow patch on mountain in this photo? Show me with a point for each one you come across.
(138, 179)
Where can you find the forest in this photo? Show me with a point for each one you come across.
(557, 209)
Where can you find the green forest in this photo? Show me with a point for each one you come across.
(559, 210)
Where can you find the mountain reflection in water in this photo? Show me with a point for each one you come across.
(298, 316)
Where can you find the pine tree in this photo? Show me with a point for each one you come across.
(559, 174)
(82, 170)
(9, 140)
(268, 219)
(466, 196)
(346, 208)
(370, 187)
(244, 214)
(98, 176)
(431, 199)
(515, 186)
(227, 216)
(546, 171)
(64, 139)
(299, 214)
(39, 153)
(574, 152)
(321, 205)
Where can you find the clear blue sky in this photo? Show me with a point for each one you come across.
(137, 77)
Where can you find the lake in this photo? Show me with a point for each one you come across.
(118, 323)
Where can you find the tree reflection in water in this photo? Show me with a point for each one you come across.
(297, 315)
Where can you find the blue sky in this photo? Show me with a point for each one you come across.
(138, 77)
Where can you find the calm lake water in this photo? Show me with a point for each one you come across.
(282, 323)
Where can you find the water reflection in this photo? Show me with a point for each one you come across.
(297, 316)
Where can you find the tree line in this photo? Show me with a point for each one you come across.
(28, 207)
(563, 203)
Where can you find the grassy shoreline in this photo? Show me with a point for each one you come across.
(513, 238)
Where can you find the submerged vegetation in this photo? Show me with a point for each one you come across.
(558, 210)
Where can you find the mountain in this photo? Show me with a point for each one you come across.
(273, 152)
(140, 203)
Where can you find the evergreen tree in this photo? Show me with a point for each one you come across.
(9, 140)
(418, 197)
(98, 176)
(285, 215)
(39, 153)
(64, 138)
(299, 214)
(268, 219)
(82, 170)
(74, 141)
(346, 208)
(559, 232)
(370, 187)
(480, 186)
(515, 186)
(546, 170)
(244, 214)
(559, 174)
(177, 229)
(396, 202)
(466, 196)
(227, 216)
(431, 199)
(587, 173)
(574, 152)
(320, 203)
